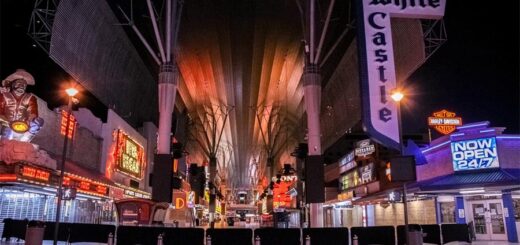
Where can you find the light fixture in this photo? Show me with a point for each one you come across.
(397, 95)
(71, 92)
(471, 191)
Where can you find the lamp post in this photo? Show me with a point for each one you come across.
(70, 92)
(397, 96)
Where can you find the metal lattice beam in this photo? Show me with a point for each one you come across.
(434, 35)
(40, 25)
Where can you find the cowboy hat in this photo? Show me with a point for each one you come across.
(19, 74)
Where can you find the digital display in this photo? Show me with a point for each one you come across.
(474, 154)
(129, 155)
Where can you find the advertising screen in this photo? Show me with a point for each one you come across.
(474, 154)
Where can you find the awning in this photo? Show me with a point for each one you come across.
(501, 177)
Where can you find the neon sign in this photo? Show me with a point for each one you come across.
(35, 173)
(445, 122)
(72, 124)
(129, 155)
(474, 154)
(376, 58)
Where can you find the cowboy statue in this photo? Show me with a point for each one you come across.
(18, 110)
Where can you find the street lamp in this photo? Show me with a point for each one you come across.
(71, 92)
(397, 96)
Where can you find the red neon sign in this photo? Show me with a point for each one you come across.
(129, 155)
(35, 173)
(72, 124)
(7, 177)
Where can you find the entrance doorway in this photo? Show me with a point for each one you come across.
(488, 219)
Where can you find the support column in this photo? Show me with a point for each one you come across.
(509, 215)
(212, 189)
(459, 208)
(168, 80)
(312, 97)
(438, 211)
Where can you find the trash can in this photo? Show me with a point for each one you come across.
(34, 232)
(415, 237)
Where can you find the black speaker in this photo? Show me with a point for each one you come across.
(162, 178)
(314, 179)
(176, 183)
(402, 169)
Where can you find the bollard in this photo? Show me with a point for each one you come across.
(355, 240)
(257, 240)
(208, 240)
(308, 240)
(160, 239)
(110, 239)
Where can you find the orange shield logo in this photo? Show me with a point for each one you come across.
(445, 122)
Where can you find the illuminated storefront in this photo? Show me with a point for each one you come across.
(474, 174)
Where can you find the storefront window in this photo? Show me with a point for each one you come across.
(516, 205)
(447, 212)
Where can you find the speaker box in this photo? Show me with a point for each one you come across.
(176, 183)
(402, 169)
(162, 178)
(314, 179)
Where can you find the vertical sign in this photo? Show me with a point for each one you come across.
(72, 124)
(376, 61)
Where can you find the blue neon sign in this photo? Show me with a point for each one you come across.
(474, 154)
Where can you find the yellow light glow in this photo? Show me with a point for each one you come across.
(19, 126)
(397, 96)
(71, 91)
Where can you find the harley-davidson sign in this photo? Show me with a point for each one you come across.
(445, 122)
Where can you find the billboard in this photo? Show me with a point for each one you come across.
(129, 155)
(474, 154)
(376, 61)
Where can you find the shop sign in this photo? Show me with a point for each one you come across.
(347, 167)
(179, 200)
(367, 173)
(349, 180)
(445, 122)
(129, 155)
(376, 57)
(285, 178)
(364, 148)
(347, 159)
(345, 196)
(474, 154)
(191, 199)
(35, 174)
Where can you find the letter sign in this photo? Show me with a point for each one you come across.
(376, 59)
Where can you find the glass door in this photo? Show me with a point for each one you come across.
(496, 221)
(488, 220)
(479, 221)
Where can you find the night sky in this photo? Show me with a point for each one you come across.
(474, 74)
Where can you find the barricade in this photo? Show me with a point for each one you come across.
(63, 234)
(374, 235)
(401, 239)
(455, 233)
(14, 228)
(143, 235)
(90, 232)
(274, 236)
(230, 236)
(431, 234)
(339, 236)
(184, 236)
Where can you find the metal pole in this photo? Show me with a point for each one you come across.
(60, 185)
(401, 149)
